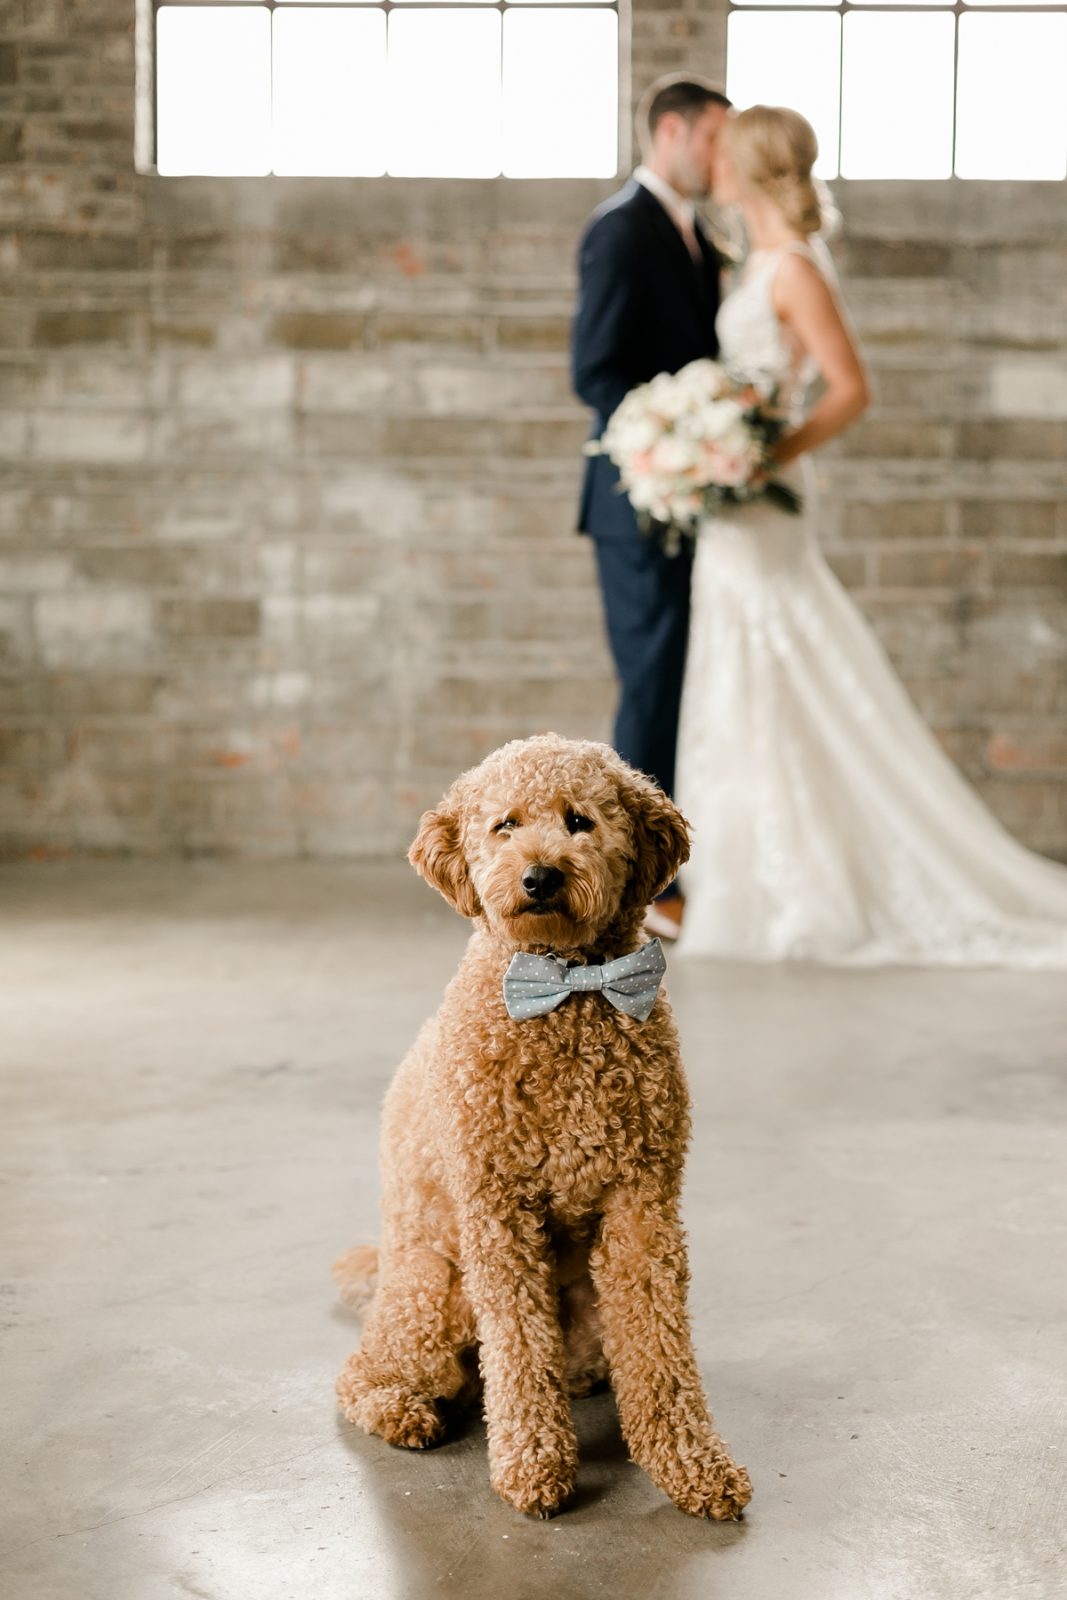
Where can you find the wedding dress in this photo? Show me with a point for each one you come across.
(828, 824)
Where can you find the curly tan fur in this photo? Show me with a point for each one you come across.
(531, 1169)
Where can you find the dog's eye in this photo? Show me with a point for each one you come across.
(508, 824)
(576, 823)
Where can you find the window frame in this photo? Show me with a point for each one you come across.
(146, 108)
(958, 9)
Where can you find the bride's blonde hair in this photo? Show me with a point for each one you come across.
(774, 150)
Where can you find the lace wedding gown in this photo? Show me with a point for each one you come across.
(828, 824)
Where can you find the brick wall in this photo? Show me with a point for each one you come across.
(289, 469)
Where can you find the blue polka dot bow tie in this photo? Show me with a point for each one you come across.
(534, 985)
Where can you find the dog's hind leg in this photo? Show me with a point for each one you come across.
(356, 1275)
(587, 1366)
(418, 1328)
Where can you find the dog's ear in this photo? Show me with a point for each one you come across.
(437, 855)
(661, 838)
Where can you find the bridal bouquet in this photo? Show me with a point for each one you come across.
(689, 443)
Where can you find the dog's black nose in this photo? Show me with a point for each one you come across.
(541, 882)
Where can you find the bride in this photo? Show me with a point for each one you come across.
(828, 825)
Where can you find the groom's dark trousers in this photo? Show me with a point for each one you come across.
(645, 306)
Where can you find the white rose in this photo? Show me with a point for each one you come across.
(691, 426)
(632, 406)
(673, 455)
(703, 379)
(721, 418)
(737, 438)
(645, 493)
(665, 399)
(632, 435)
(676, 404)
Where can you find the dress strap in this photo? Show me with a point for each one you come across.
(814, 251)
(801, 247)
(767, 267)
(798, 247)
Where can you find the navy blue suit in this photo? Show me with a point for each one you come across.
(644, 307)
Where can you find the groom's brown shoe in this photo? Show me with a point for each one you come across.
(664, 917)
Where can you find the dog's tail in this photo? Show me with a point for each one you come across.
(356, 1276)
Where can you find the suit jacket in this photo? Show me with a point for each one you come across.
(644, 307)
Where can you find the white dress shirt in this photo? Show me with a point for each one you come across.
(681, 211)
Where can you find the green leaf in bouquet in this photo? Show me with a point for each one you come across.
(785, 498)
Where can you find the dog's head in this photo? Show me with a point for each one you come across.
(555, 842)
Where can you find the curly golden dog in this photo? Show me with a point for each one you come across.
(531, 1164)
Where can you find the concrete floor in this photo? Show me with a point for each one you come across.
(192, 1071)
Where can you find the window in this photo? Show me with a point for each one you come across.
(919, 89)
(414, 88)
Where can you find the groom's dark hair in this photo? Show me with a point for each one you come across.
(689, 97)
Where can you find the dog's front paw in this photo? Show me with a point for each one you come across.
(537, 1479)
(721, 1491)
(396, 1414)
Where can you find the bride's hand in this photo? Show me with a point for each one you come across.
(747, 397)
(782, 453)
(779, 455)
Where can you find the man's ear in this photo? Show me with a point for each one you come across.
(437, 855)
(661, 838)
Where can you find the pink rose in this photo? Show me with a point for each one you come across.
(727, 470)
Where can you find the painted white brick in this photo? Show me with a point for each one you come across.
(214, 383)
(278, 566)
(480, 390)
(14, 435)
(205, 435)
(96, 628)
(343, 614)
(27, 572)
(385, 501)
(189, 517)
(280, 619)
(16, 628)
(1028, 389)
(352, 383)
(280, 690)
(84, 382)
(99, 437)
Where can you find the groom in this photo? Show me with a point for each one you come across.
(648, 296)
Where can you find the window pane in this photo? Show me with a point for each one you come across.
(213, 90)
(329, 91)
(941, 3)
(561, 88)
(784, 58)
(883, 51)
(1010, 120)
(444, 93)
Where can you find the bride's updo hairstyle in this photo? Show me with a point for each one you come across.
(774, 150)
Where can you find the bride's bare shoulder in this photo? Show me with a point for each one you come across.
(801, 284)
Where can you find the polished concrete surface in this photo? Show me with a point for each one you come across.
(193, 1058)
